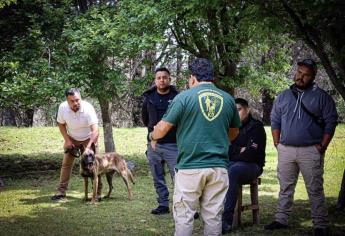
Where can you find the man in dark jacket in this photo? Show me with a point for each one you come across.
(156, 102)
(247, 158)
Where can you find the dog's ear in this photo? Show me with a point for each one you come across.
(82, 149)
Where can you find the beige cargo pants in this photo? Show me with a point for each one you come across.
(292, 160)
(205, 187)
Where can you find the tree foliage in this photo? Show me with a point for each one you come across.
(321, 24)
(110, 48)
(223, 31)
(93, 50)
(4, 3)
(30, 35)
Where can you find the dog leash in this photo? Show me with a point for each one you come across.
(74, 151)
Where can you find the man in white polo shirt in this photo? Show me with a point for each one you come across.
(78, 124)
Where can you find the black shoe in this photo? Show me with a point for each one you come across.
(321, 232)
(226, 227)
(275, 225)
(161, 210)
(58, 197)
(196, 215)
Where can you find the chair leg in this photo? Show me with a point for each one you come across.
(238, 209)
(255, 202)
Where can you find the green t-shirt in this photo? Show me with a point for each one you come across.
(203, 116)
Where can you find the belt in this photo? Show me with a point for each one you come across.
(302, 145)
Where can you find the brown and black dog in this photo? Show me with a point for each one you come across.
(94, 165)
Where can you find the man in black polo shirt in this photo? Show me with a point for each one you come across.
(156, 102)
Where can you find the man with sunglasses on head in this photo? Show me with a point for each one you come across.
(303, 121)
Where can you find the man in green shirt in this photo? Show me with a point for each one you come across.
(206, 119)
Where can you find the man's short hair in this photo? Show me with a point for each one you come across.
(242, 102)
(71, 92)
(164, 69)
(202, 69)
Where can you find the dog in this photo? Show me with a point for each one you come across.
(94, 165)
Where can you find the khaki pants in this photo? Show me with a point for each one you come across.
(67, 166)
(205, 187)
(292, 160)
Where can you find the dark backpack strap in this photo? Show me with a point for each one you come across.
(317, 119)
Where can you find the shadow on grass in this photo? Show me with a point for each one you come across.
(15, 164)
(300, 222)
(35, 214)
(19, 165)
(119, 216)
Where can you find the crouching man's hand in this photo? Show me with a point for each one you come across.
(68, 144)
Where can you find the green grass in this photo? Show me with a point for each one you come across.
(26, 208)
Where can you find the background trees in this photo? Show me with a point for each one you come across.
(30, 35)
(321, 25)
(110, 48)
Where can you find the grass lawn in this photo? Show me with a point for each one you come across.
(26, 208)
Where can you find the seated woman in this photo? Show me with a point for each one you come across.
(247, 158)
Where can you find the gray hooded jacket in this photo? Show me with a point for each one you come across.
(297, 127)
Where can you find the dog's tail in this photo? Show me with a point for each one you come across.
(130, 175)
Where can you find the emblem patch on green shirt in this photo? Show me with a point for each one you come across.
(211, 104)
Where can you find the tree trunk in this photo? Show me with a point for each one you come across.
(28, 117)
(107, 126)
(229, 73)
(336, 80)
(8, 117)
(317, 45)
(82, 5)
(267, 104)
(179, 64)
(341, 198)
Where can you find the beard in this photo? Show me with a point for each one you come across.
(76, 108)
(301, 84)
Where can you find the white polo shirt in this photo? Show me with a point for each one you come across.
(77, 123)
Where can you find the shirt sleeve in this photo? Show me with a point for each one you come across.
(144, 113)
(276, 115)
(255, 147)
(60, 118)
(236, 122)
(92, 119)
(330, 115)
(174, 111)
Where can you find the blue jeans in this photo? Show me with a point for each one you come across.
(165, 153)
(239, 173)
